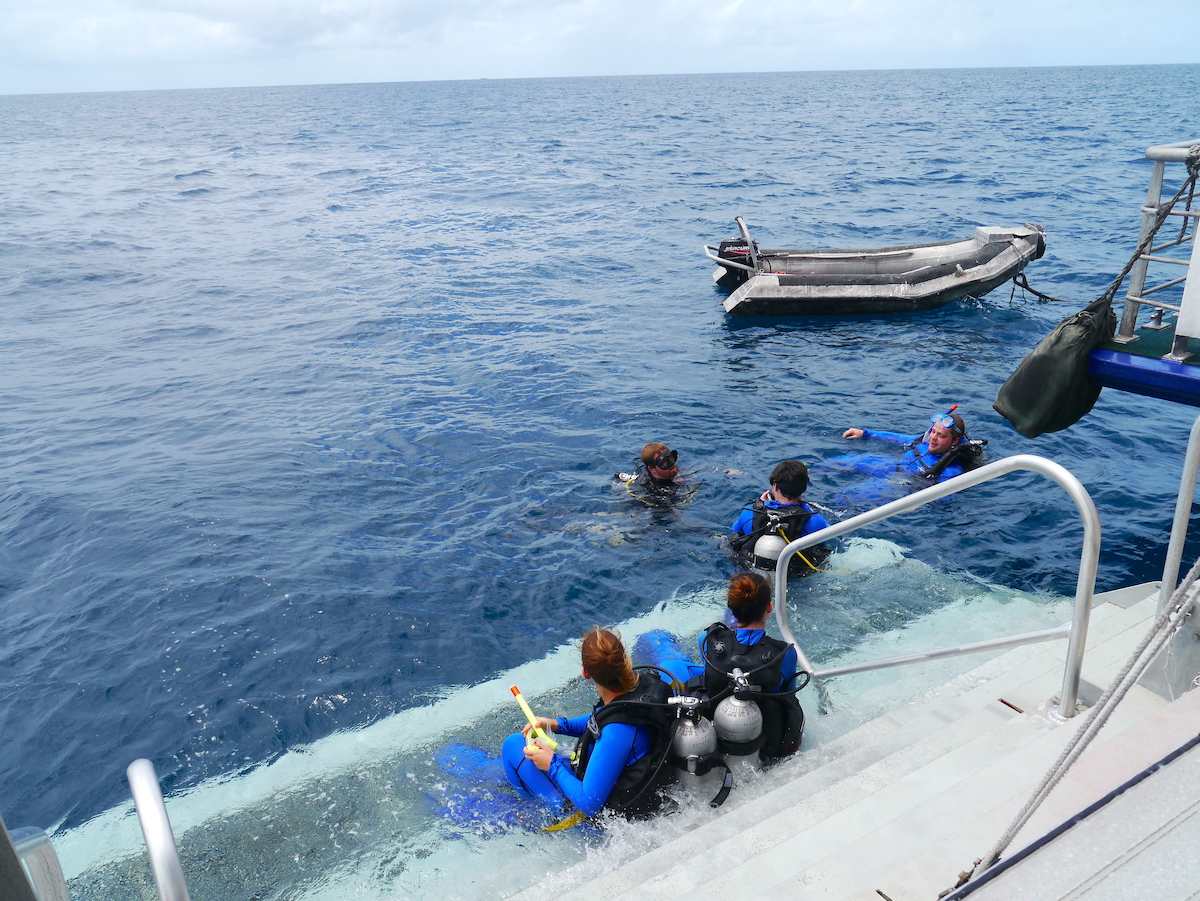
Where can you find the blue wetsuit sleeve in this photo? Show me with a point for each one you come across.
(815, 523)
(610, 755)
(742, 524)
(890, 437)
(573, 726)
(788, 668)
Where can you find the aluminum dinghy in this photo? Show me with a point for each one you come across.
(880, 280)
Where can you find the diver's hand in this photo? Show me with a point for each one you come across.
(539, 754)
(544, 722)
(852, 433)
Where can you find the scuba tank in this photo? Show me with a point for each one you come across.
(772, 529)
(767, 550)
(694, 752)
(739, 724)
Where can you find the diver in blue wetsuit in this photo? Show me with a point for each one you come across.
(941, 453)
(621, 757)
(771, 664)
(781, 510)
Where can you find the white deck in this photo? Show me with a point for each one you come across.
(912, 799)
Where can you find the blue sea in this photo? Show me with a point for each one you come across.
(311, 400)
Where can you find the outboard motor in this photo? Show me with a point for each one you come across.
(735, 250)
(739, 724)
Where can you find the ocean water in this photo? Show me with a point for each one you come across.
(311, 400)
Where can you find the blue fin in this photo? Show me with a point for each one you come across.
(470, 764)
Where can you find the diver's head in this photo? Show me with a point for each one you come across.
(605, 661)
(749, 598)
(945, 431)
(789, 481)
(660, 461)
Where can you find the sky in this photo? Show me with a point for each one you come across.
(51, 46)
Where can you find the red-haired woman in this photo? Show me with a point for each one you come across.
(770, 662)
(621, 762)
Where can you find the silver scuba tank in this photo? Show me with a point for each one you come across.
(695, 741)
(698, 766)
(738, 724)
(767, 549)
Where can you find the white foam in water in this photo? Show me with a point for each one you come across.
(404, 851)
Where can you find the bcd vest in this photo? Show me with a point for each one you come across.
(783, 718)
(789, 519)
(637, 792)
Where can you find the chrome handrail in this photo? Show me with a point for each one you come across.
(712, 251)
(1089, 560)
(156, 829)
(1183, 513)
(37, 855)
(754, 261)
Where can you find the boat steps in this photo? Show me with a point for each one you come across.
(898, 807)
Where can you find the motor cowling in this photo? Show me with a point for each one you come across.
(736, 251)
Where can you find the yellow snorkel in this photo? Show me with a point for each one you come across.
(535, 730)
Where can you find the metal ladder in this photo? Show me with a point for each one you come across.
(1172, 251)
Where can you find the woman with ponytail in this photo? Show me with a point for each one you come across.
(622, 744)
(769, 663)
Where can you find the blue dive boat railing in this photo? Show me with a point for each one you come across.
(1075, 632)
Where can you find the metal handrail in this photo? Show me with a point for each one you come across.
(1136, 291)
(37, 855)
(1089, 560)
(712, 252)
(1183, 512)
(754, 260)
(156, 829)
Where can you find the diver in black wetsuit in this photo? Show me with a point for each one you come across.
(657, 482)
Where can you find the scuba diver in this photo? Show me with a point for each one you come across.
(621, 759)
(656, 481)
(744, 665)
(768, 663)
(780, 514)
(942, 452)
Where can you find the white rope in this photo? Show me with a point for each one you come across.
(1165, 626)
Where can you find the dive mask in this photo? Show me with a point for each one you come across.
(665, 460)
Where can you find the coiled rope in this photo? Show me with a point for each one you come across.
(1165, 626)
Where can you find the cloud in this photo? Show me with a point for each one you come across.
(115, 44)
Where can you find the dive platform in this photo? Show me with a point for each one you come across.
(1147, 366)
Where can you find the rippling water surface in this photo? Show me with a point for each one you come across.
(311, 397)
